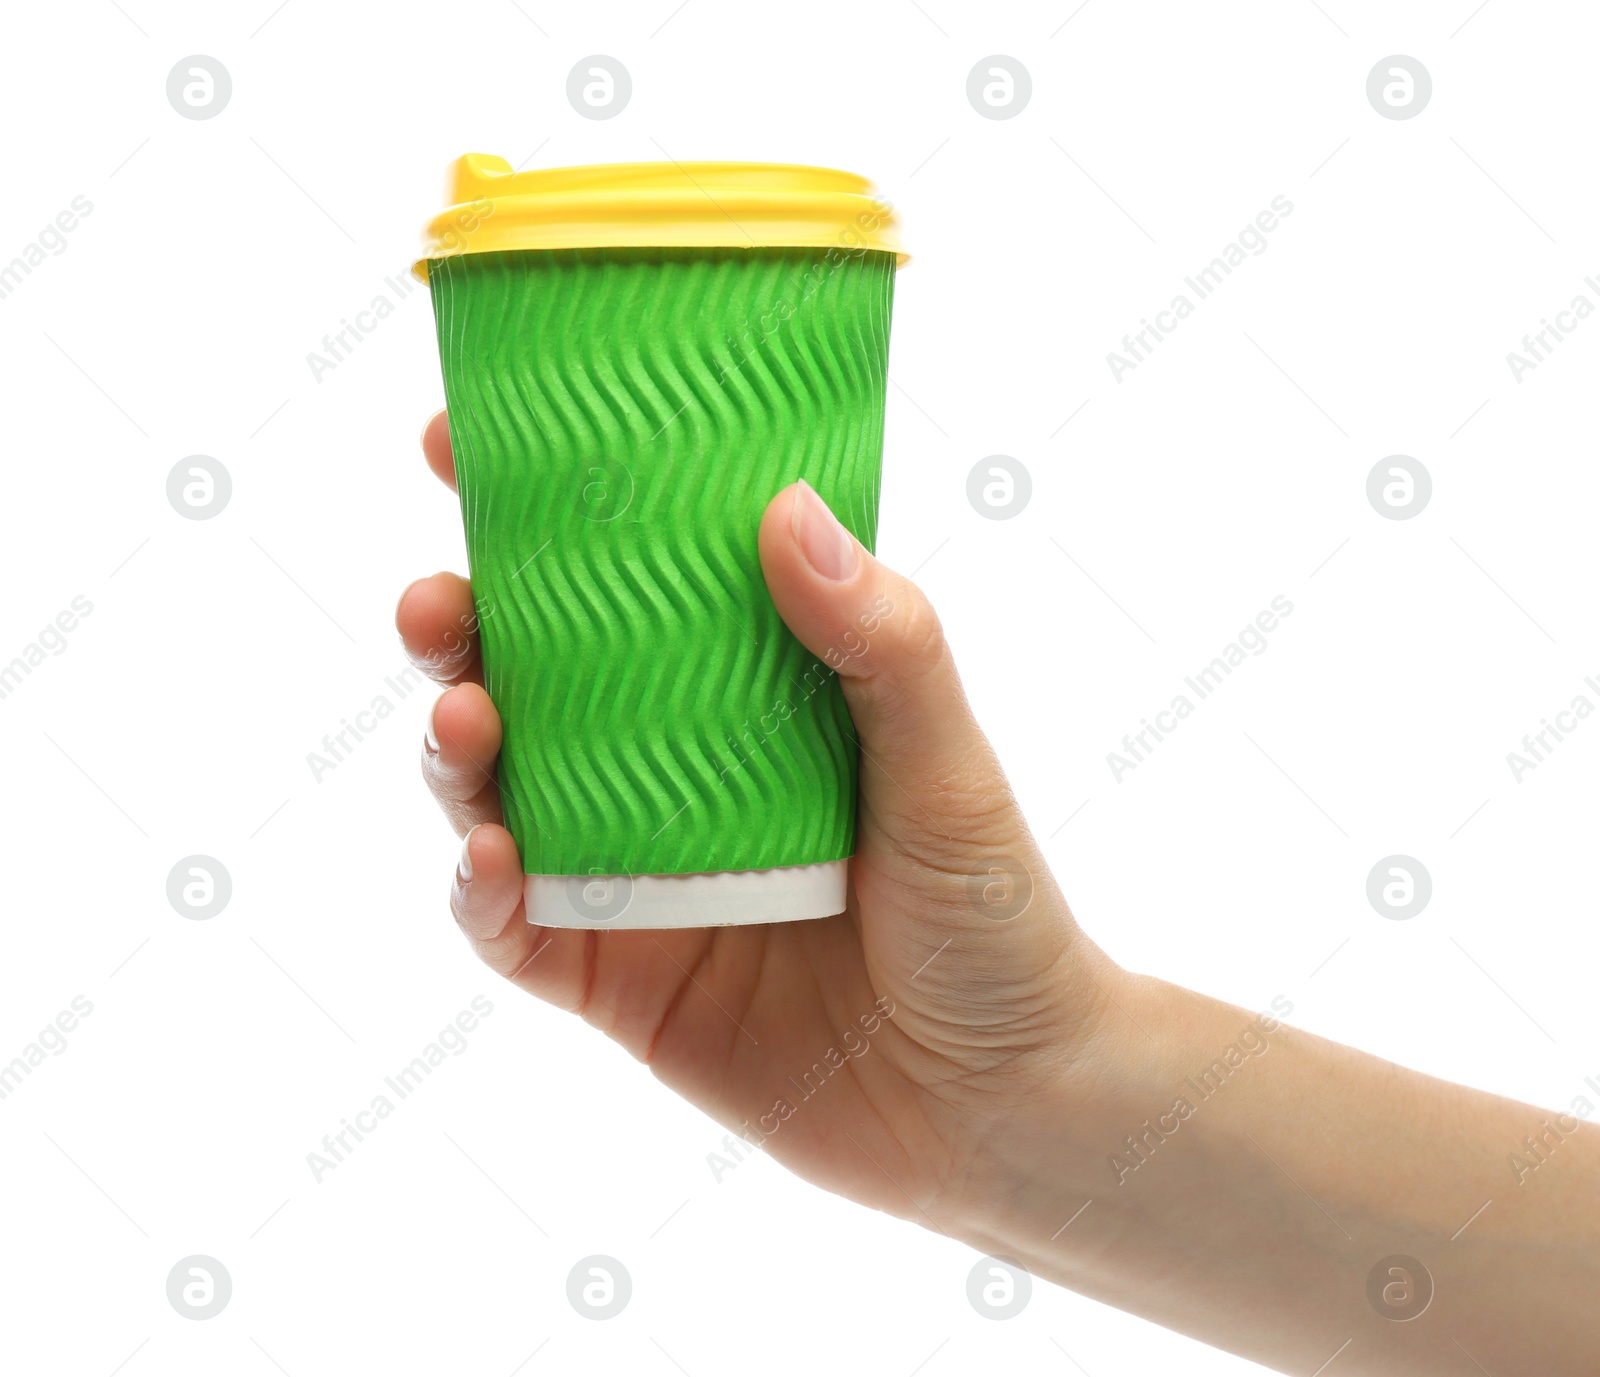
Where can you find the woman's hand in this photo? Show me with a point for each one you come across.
(953, 1050)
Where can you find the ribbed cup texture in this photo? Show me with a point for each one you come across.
(621, 418)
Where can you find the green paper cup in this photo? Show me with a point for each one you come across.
(636, 359)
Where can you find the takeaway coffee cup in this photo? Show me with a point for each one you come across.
(636, 358)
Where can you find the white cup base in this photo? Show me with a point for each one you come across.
(784, 894)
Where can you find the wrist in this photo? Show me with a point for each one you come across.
(1043, 1153)
(1048, 1184)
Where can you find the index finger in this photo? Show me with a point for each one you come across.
(436, 448)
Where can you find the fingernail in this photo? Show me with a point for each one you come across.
(464, 869)
(827, 546)
(430, 738)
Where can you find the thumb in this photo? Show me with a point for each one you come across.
(944, 859)
(930, 782)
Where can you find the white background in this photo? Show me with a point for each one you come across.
(1170, 509)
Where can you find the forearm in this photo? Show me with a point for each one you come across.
(1241, 1182)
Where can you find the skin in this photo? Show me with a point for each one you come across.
(1009, 1061)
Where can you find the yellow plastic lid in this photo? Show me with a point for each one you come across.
(656, 205)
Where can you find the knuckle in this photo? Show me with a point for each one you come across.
(458, 907)
(959, 818)
(978, 805)
(501, 953)
(908, 649)
(918, 634)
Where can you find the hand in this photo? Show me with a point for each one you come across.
(873, 1052)
(984, 1070)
